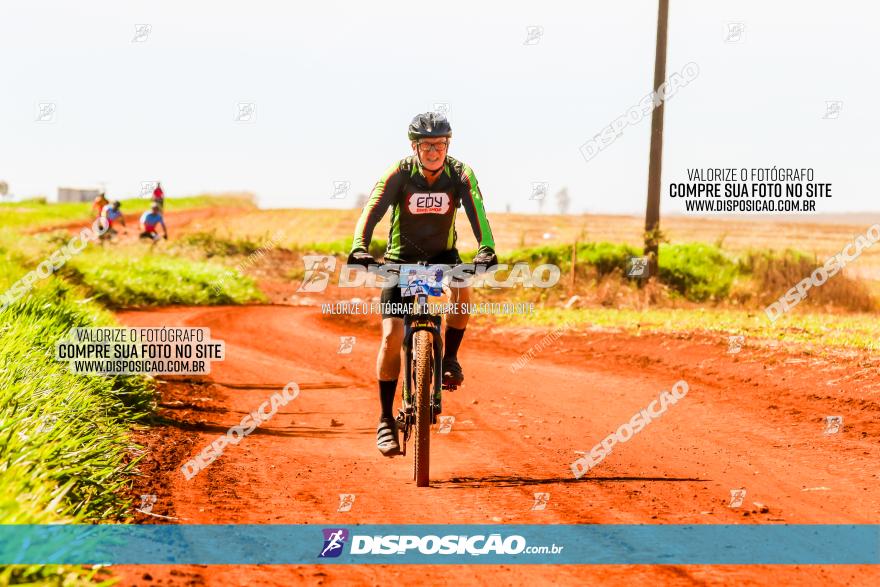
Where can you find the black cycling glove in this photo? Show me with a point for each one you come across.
(361, 257)
(485, 257)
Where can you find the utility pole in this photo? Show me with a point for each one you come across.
(652, 213)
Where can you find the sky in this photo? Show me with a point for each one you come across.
(141, 91)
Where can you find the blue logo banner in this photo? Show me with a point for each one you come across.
(668, 544)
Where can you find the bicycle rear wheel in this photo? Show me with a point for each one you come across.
(423, 368)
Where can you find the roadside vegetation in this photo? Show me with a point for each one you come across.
(688, 274)
(700, 287)
(65, 451)
(65, 455)
(811, 331)
(138, 279)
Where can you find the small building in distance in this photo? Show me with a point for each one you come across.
(77, 194)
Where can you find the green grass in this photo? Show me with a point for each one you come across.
(215, 245)
(123, 276)
(857, 331)
(605, 257)
(340, 247)
(701, 272)
(698, 271)
(65, 455)
(133, 278)
(30, 214)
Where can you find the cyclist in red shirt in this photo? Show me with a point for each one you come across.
(159, 196)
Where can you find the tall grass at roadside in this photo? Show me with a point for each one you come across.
(64, 451)
(65, 455)
(213, 244)
(701, 272)
(697, 271)
(774, 273)
(134, 278)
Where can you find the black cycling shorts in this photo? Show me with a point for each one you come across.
(395, 306)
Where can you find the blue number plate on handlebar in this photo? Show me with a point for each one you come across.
(416, 279)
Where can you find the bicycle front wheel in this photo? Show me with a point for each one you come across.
(423, 369)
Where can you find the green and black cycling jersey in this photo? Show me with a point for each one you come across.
(423, 216)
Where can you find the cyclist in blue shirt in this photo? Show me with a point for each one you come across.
(150, 221)
(112, 213)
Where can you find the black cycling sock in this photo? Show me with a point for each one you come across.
(453, 341)
(386, 396)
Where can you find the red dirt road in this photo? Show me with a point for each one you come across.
(752, 420)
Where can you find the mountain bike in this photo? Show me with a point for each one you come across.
(423, 372)
(151, 236)
(111, 235)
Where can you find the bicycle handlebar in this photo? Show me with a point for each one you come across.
(472, 269)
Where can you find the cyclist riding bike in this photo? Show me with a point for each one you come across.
(159, 196)
(149, 223)
(112, 213)
(98, 205)
(424, 192)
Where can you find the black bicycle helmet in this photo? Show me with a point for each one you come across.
(429, 125)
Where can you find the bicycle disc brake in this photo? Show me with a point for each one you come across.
(405, 420)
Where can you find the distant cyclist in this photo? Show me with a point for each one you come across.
(159, 196)
(424, 192)
(112, 213)
(98, 204)
(150, 221)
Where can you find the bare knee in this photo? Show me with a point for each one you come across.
(460, 296)
(388, 361)
(392, 334)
